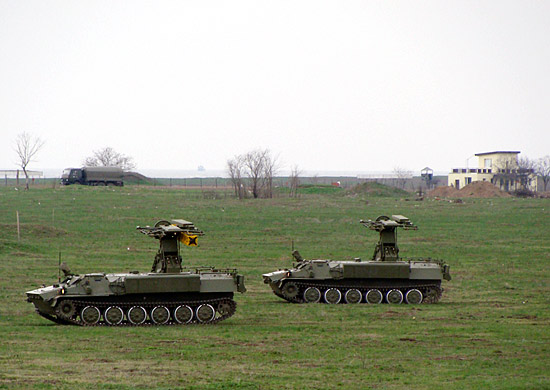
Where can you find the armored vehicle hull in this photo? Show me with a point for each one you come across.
(384, 279)
(169, 295)
(204, 296)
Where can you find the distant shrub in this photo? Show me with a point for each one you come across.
(523, 193)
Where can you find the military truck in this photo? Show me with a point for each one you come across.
(168, 295)
(386, 278)
(93, 176)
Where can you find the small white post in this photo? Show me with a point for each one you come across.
(18, 230)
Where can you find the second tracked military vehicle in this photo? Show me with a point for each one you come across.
(386, 278)
(168, 295)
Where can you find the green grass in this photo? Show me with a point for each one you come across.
(319, 189)
(490, 330)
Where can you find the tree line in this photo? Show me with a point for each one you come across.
(252, 173)
(525, 170)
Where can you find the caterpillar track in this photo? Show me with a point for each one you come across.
(335, 292)
(138, 313)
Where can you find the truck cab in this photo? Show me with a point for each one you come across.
(71, 176)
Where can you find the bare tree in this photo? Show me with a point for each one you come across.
(26, 147)
(542, 169)
(235, 169)
(511, 172)
(504, 175)
(108, 157)
(254, 167)
(526, 169)
(294, 181)
(401, 176)
(259, 167)
(270, 168)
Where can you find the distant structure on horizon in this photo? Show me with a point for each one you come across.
(500, 168)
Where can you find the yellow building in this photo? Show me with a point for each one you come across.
(500, 168)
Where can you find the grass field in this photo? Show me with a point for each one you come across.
(491, 330)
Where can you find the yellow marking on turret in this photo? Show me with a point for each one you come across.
(188, 239)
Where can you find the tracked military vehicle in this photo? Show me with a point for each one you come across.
(168, 295)
(386, 278)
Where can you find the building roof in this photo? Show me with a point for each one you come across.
(497, 152)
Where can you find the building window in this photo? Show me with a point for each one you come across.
(488, 162)
(468, 180)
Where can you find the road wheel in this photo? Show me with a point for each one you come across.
(413, 297)
(114, 315)
(205, 313)
(312, 295)
(333, 296)
(160, 315)
(374, 296)
(90, 315)
(353, 296)
(137, 315)
(394, 296)
(183, 314)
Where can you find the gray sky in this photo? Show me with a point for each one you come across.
(326, 85)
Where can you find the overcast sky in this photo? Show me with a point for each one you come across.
(325, 85)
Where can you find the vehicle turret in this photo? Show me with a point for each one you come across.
(386, 249)
(170, 235)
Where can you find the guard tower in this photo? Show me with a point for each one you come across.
(427, 175)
